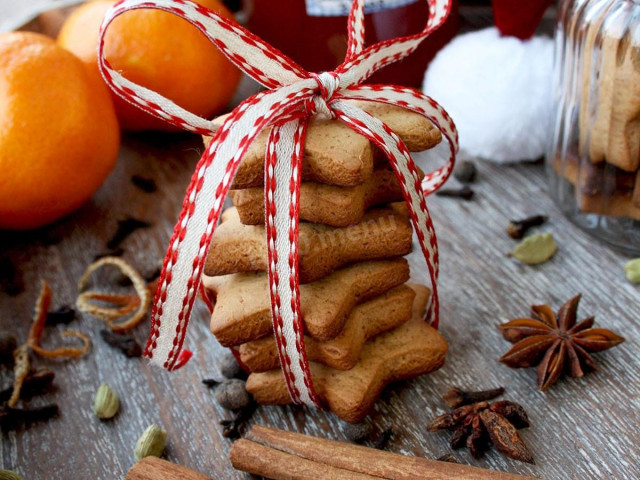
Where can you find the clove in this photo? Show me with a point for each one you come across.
(232, 428)
(145, 184)
(125, 228)
(210, 382)
(125, 343)
(8, 344)
(116, 252)
(11, 280)
(35, 383)
(456, 398)
(517, 228)
(12, 418)
(447, 457)
(64, 314)
(383, 439)
(465, 193)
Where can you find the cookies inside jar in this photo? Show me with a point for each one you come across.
(595, 151)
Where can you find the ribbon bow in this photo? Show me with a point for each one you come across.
(293, 96)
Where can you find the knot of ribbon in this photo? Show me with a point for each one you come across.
(328, 83)
(293, 95)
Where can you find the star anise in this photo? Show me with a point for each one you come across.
(481, 424)
(555, 343)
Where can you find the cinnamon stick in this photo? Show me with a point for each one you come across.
(278, 454)
(154, 468)
(269, 462)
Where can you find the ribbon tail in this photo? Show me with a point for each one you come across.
(402, 163)
(283, 166)
(417, 102)
(188, 247)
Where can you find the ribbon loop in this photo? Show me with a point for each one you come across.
(262, 62)
(328, 83)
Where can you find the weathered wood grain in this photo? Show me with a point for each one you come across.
(581, 428)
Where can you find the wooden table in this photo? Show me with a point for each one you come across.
(581, 429)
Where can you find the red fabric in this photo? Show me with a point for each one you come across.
(519, 18)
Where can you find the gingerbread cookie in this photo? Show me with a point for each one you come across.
(603, 190)
(367, 320)
(336, 155)
(242, 311)
(410, 350)
(382, 233)
(326, 204)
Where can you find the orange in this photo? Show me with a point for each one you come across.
(159, 51)
(59, 135)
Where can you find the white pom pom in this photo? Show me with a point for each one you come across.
(498, 92)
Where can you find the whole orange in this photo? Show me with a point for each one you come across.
(59, 135)
(160, 51)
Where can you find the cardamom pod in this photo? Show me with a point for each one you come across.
(632, 269)
(106, 402)
(535, 249)
(151, 443)
(9, 475)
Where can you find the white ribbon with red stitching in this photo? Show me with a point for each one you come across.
(294, 96)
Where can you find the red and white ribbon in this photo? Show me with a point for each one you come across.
(293, 96)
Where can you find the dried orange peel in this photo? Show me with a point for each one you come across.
(20, 372)
(37, 328)
(137, 304)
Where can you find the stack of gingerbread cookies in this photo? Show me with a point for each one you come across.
(364, 325)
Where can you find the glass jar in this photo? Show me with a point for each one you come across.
(314, 32)
(593, 157)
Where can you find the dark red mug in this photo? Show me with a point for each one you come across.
(314, 32)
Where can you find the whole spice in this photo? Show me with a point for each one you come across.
(35, 383)
(106, 402)
(357, 432)
(123, 342)
(144, 184)
(481, 424)
(125, 228)
(210, 382)
(12, 418)
(383, 439)
(8, 344)
(229, 367)
(151, 443)
(232, 394)
(465, 193)
(9, 475)
(456, 397)
(232, 428)
(154, 468)
(465, 171)
(115, 252)
(447, 457)
(11, 280)
(632, 270)
(65, 314)
(535, 249)
(555, 343)
(517, 228)
(279, 454)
